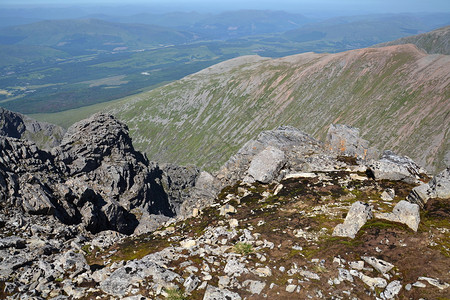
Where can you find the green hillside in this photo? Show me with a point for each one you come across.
(398, 96)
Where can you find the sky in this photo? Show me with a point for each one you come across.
(340, 7)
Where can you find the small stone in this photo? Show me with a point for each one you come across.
(255, 287)
(379, 265)
(263, 272)
(337, 260)
(419, 284)
(357, 265)
(392, 289)
(309, 275)
(234, 268)
(207, 277)
(227, 209)
(345, 275)
(233, 223)
(195, 212)
(437, 283)
(408, 287)
(388, 195)
(191, 283)
(278, 188)
(291, 288)
(224, 281)
(373, 282)
(188, 243)
(214, 293)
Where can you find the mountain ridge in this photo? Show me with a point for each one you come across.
(434, 42)
(397, 95)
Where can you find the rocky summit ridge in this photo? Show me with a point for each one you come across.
(286, 216)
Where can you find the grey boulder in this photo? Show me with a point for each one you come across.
(395, 167)
(265, 165)
(438, 187)
(357, 216)
(404, 212)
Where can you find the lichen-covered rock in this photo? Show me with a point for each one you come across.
(153, 266)
(395, 167)
(346, 141)
(301, 152)
(404, 212)
(392, 290)
(438, 187)
(357, 216)
(379, 264)
(265, 165)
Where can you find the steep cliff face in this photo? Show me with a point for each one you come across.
(397, 96)
(16, 125)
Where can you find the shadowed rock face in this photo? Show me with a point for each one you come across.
(11, 124)
(16, 125)
(95, 177)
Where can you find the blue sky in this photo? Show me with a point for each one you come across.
(364, 6)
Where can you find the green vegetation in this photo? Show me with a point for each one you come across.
(175, 294)
(243, 248)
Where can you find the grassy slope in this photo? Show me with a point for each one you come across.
(398, 96)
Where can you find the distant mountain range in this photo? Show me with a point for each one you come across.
(91, 35)
(397, 95)
(56, 65)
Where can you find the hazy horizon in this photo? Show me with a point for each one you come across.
(325, 7)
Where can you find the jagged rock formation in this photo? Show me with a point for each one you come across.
(94, 177)
(258, 228)
(16, 125)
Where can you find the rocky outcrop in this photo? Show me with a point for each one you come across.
(275, 153)
(265, 165)
(438, 187)
(345, 140)
(395, 167)
(94, 178)
(16, 125)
